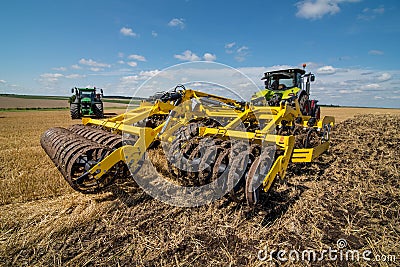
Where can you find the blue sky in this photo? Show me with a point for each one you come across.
(47, 47)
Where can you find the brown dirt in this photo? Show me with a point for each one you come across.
(341, 114)
(352, 193)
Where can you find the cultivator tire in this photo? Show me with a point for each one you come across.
(76, 150)
(75, 111)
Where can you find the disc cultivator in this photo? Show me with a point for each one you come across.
(205, 138)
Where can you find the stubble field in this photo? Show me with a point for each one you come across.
(351, 193)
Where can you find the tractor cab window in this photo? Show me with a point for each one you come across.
(87, 95)
(280, 81)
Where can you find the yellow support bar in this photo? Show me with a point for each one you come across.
(309, 154)
(281, 163)
(131, 155)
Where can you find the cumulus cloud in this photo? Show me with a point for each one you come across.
(127, 32)
(149, 73)
(372, 86)
(50, 77)
(209, 57)
(375, 52)
(60, 69)
(177, 23)
(137, 57)
(154, 33)
(241, 53)
(2, 81)
(92, 63)
(230, 45)
(132, 63)
(135, 79)
(316, 9)
(74, 76)
(129, 80)
(96, 69)
(384, 77)
(326, 70)
(76, 67)
(187, 56)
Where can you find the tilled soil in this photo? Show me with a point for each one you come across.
(351, 193)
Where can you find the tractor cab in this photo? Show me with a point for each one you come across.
(283, 79)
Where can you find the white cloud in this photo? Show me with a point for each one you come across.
(92, 63)
(187, 56)
(384, 77)
(2, 81)
(121, 62)
(316, 9)
(375, 52)
(120, 54)
(241, 53)
(137, 57)
(130, 80)
(149, 73)
(51, 75)
(230, 45)
(372, 86)
(209, 57)
(371, 13)
(154, 33)
(177, 23)
(127, 32)
(132, 63)
(326, 70)
(74, 76)
(242, 49)
(96, 69)
(76, 67)
(60, 68)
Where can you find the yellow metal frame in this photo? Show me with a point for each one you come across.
(237, 112)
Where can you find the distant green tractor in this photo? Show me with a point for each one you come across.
(86, 102)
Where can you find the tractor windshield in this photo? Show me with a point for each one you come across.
(280, 81)
(87, 95)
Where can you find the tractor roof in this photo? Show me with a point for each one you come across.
(86, 89)
(286, 73)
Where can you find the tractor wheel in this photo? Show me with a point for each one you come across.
(303, 103)
(98, 110)
(317, 112)
(75, 112)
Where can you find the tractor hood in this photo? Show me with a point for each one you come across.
(268, 93)
(86, 100)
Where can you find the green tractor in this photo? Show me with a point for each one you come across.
(86, 102)
(282, 85)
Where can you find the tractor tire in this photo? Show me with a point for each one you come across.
(98, 110)
(317, 112)
(75, 112)
(304, 104)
